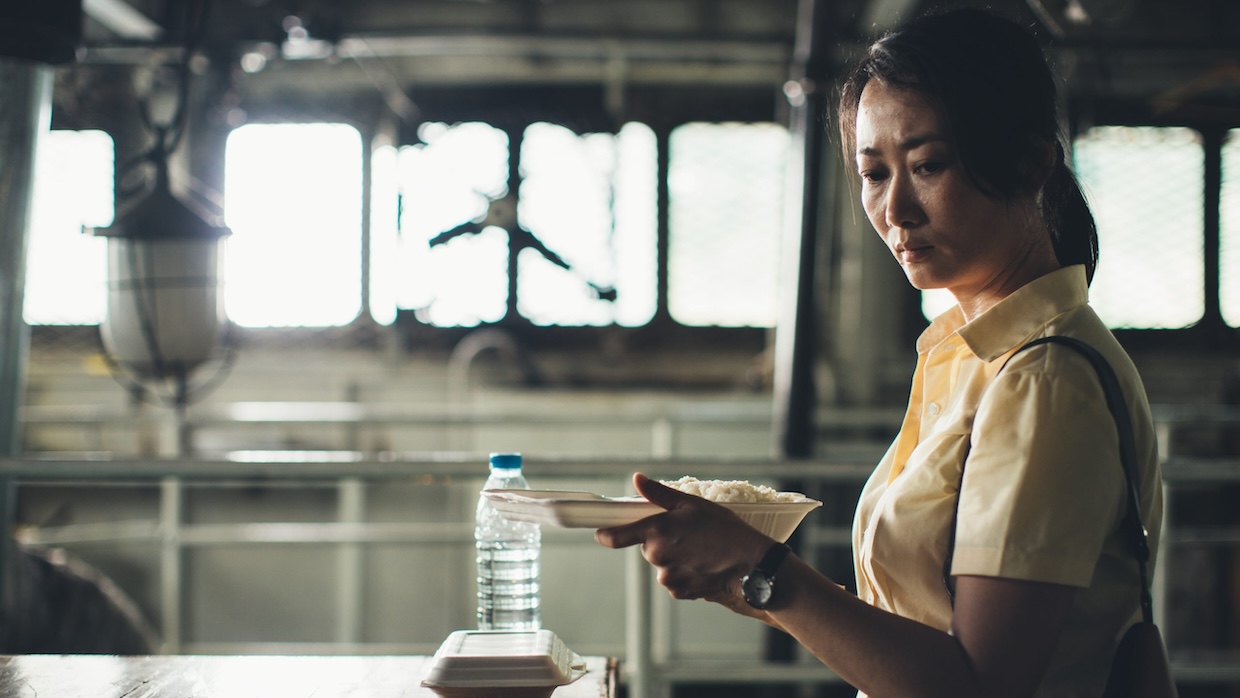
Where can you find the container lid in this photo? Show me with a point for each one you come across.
(506, 460)
(501, 658)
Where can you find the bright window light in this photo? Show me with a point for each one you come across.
(66, 269)
(451, 179)
(935, 301)
(1145, 186)
(726, 185)
(293, 196)
(591, 199)
(1229, 243)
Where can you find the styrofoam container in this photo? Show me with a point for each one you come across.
(572, 509)
(490, 663)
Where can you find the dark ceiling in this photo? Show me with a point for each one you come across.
(1129, 48)
(1134, 59)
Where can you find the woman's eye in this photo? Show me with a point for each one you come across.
(873, 175)
(931, 167)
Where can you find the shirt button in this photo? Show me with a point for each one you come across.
(932, 409)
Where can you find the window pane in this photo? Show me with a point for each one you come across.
(294, 203)
(1229, 243)
(448, 183)
(66, 269)
(590, 199)
(726, 185)
(1145, 188)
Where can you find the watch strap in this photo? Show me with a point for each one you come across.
(773, 558)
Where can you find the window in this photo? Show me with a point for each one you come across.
(293, 194)
(1229, 231)
(591, 200)
(588, 200)
(445, 184)
(726, 184)
(66, 269)
(1145, 186)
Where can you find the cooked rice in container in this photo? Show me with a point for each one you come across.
(731, 490)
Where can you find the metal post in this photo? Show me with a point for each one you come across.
(795, 395)
(350, 591)
(25, 114)
(171, 563)
(638, 661)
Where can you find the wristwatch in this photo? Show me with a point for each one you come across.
(759, 585)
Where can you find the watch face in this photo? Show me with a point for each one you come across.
(757, 588)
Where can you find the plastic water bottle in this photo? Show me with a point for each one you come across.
(508, 592)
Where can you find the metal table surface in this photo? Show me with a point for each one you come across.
(213, 676)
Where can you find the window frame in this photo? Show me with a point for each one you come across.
(1211, 335)
(581, 109)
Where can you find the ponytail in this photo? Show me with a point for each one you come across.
(1074, 233)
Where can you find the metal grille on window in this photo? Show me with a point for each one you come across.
(1145, 186)
(726, 188)
(1229, 237)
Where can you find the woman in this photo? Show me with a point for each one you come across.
(952, 124)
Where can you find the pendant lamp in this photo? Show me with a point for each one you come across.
(165, 308)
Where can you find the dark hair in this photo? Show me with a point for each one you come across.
(991, 80)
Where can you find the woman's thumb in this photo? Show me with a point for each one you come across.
(658, 493)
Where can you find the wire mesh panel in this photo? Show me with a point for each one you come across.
(1145, 186)
(1229, 234)
(65, 268)
(726, 188)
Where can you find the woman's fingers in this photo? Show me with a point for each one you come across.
(637, 532)
(698, 547)
(620, 536)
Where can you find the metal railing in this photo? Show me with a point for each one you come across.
(648, 672)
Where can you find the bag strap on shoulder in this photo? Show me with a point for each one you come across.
(1137, 534)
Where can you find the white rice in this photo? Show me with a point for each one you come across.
(731, 490)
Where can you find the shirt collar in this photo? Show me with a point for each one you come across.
(1015, 318)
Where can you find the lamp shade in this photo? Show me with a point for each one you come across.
(165, 309)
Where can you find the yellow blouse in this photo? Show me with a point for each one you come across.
(1042, 497)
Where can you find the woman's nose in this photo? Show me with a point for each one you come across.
(903, 210)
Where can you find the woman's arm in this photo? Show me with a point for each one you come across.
(1003, 631)
(1003, 634)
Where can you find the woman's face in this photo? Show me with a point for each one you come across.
(942, 229)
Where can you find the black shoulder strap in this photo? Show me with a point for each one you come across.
(1139, 537)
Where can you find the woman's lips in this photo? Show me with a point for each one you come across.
(911, 254)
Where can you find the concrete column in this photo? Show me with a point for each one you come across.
(25, 114)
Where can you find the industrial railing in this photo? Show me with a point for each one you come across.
(648, 670)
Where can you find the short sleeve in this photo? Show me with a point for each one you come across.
(1043, 486)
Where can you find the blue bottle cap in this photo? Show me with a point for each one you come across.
(506, 460)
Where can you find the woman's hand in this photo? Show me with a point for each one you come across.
(700, 548)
